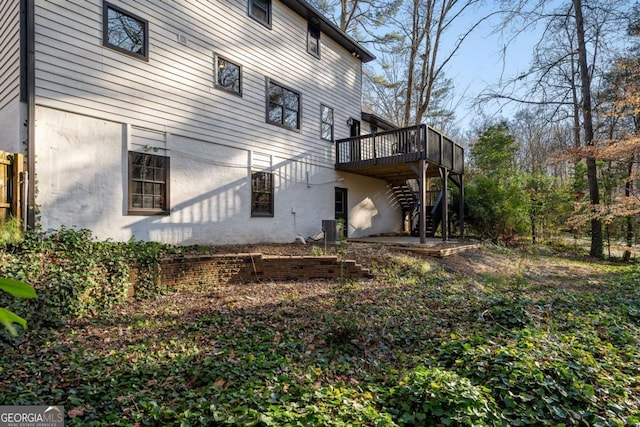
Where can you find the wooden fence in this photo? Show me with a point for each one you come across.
(11, 168)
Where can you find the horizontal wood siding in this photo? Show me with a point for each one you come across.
(9, 52)
(174, 90)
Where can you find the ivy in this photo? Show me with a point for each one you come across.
(420, 345)
(77, 276)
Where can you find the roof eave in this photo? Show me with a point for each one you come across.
(304, 9)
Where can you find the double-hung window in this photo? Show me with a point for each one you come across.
(262, 194)
(260, 10)
(125, 32)
(283, 106)
(326, 122)
(148, 184)
(313, 38)
(228, 75)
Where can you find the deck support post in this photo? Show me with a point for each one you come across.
(445, 205)
(423, 195)
(461, 207)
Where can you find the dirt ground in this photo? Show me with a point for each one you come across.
(474, 266)
(543, 267)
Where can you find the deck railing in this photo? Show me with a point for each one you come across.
(400, 145)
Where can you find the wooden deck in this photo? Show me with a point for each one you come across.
(416, 153)
(389, 155)
(433, 247)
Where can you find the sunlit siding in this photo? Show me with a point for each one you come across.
(9, 74)
(174, 91)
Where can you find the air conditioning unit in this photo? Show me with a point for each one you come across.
(331, 230)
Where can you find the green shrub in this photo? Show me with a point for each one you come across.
(11, 231)
(435, 396)
(75, 275)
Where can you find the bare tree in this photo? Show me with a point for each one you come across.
(423, 26)
(541, 139)
(576, 39)
(409, 79)
(359, 18)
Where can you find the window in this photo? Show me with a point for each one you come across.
(125, 32)
(313, 38)
(326, 123)
(261, 194)
(283, 106)
(148, 184)
(260, 10)
(228, 76)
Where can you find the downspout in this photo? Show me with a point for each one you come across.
(30, 85)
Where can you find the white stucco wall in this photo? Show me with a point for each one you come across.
(12, 128)
(82, 179)
(372, 207)
(79, 166)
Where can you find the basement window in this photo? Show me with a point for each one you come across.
(262, 194)
(148, 184)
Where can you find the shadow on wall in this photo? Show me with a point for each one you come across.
(187, 90)
(223, 214)
(213, 199)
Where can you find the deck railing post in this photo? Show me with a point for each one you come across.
(375, 150)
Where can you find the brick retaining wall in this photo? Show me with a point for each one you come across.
(190, 272)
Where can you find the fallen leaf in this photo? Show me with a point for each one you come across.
(78, 411)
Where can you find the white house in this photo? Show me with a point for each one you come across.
(187, 121)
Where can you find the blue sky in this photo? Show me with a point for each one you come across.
(480, 63)
(485, 59)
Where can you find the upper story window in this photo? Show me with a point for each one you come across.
(228, 75)
(326, 123)
(125, 32)
(148, 184)
(283, 106)
(313, 38)
(260, 10)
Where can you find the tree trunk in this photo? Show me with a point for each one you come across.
(628, 190)
(416, 38)
(592, 177)
(534, 231)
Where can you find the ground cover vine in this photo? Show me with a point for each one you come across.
(425, 343)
